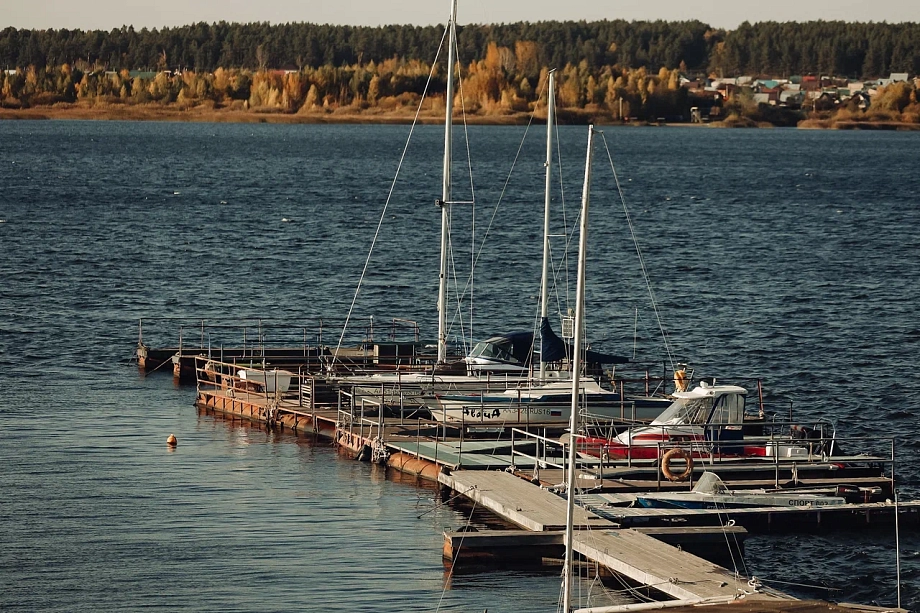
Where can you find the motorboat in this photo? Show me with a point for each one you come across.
(710, 492)
(709, 421)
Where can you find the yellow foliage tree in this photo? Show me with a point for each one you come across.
(610, 95)
(893, 97)
(373, 90)
(312, 98)
(571, 92)
(525, 53)
(674, 80)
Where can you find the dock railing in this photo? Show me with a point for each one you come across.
(261, 341)
(786, 453)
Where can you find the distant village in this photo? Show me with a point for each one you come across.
(805, 93)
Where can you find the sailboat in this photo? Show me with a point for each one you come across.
(545, 399)
(500, 363)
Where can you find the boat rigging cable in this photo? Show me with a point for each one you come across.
(645, 276)
(478, 252)
(450, 573)
(482, 243)
(472, 202)
(386, 205)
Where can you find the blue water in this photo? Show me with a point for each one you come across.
(787, 255)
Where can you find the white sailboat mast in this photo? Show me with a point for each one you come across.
(445, 190)
(576, 377)
(544, 290)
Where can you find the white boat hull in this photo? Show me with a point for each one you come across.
(268, 380)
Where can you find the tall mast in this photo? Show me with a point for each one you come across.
(576, 378)
(544, 290)
(445, 189)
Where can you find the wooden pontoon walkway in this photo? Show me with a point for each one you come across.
(640, 557)
(490, 473)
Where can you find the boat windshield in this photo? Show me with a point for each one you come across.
(710, 483)
(690, 411)
(490, 351)
(729, 409)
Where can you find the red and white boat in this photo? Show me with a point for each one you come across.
(709, 421)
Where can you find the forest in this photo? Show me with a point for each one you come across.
(854, 50)
(608, 70)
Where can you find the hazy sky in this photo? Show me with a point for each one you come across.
(108, 14)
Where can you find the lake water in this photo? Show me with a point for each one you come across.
(788, 255)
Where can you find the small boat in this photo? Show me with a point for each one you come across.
(710, 492)
(271, 381)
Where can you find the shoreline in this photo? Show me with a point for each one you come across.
(399, 116)
(382, 117)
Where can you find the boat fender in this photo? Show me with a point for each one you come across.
(666, 465)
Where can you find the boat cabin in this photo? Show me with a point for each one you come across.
(705, 404)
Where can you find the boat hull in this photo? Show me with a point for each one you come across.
(736, 501)
(543, 411)
(267, 380)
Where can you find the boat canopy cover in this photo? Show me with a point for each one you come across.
(710, 483)
(517, 348)
(554, 349)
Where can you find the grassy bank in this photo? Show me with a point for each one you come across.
(209, 113)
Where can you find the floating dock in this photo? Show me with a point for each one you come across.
(265, 343)
(515, 473)
(630, 553)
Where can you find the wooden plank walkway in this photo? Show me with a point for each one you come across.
(666, 569)
(640, 557)
(516, 500)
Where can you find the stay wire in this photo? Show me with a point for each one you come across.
(438, 505)
(389, 198)
(458, 313)
(645, 275)
(501, 196)
(450, 573)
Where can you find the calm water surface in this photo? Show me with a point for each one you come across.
(786, 255)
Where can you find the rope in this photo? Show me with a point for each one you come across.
(450, 573)
(386, 205)
(645, 275)
(451, 499)
(808, 585)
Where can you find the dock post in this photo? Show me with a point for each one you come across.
(141, 351)
(177, 359)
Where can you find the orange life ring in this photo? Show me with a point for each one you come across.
(666, 465)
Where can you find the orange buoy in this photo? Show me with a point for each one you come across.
(171, 441)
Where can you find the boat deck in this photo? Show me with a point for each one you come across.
(613, 507)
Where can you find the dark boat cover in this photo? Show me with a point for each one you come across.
(554, 349)
(520, 346)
